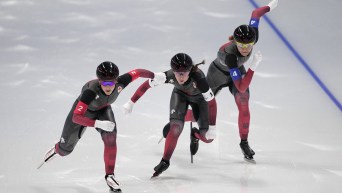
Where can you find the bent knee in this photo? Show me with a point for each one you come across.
(176, 128)
(109, 139)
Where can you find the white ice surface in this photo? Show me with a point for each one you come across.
(49, 49)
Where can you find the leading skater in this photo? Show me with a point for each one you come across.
(93, 109)
(190, 88)
(228, 70)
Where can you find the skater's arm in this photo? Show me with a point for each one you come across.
(258, 13)
(79, 113)
(159, 78)
(141, 73)
(132, 75)
(243, 83)
(140, 91)
(240, 83)
(81, 107)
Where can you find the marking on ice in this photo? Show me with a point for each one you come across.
(318, 147)
(336, 172)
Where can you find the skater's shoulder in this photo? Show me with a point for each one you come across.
(197, 74)
(92, 86)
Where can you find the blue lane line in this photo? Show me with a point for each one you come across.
(301, 60)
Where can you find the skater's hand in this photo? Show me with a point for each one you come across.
(211, 133)
(159, 78)
(105, 125)
(128, 107)
(256, 60)
(273, 4)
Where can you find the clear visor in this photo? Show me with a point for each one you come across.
(242, 45)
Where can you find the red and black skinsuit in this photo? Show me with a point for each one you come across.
(194, 92)
(218, 76)
(220, 71)
(93, 104)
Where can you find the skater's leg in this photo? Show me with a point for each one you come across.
(178, 108)
(189, 116)
(176, 128)
(110, 149)
(71, 134)
(242, 100)
(109, 140)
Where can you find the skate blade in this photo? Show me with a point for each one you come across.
(161, 139)
(115, 191)
(250, 160)
(155, 174)
(40, 165)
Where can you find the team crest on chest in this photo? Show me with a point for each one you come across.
(194, 84)
(120, 89)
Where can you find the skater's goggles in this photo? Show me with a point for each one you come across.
(242, 45)
(107, 83)
(182, 73)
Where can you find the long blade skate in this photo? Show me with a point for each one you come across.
(113, 184)
(161, 139)
(48, 157)
(155, 174)
(46, 160)
(160, 168)
(252, 161)
(40, 165)
(247, 151)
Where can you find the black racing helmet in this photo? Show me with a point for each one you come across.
(107, 71)
(244, 34)
(181, 62)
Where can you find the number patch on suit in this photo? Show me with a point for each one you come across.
(235, 73)
(80, 108)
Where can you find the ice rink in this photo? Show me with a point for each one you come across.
(50, 49)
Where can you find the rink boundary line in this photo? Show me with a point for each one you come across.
(301, 60)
